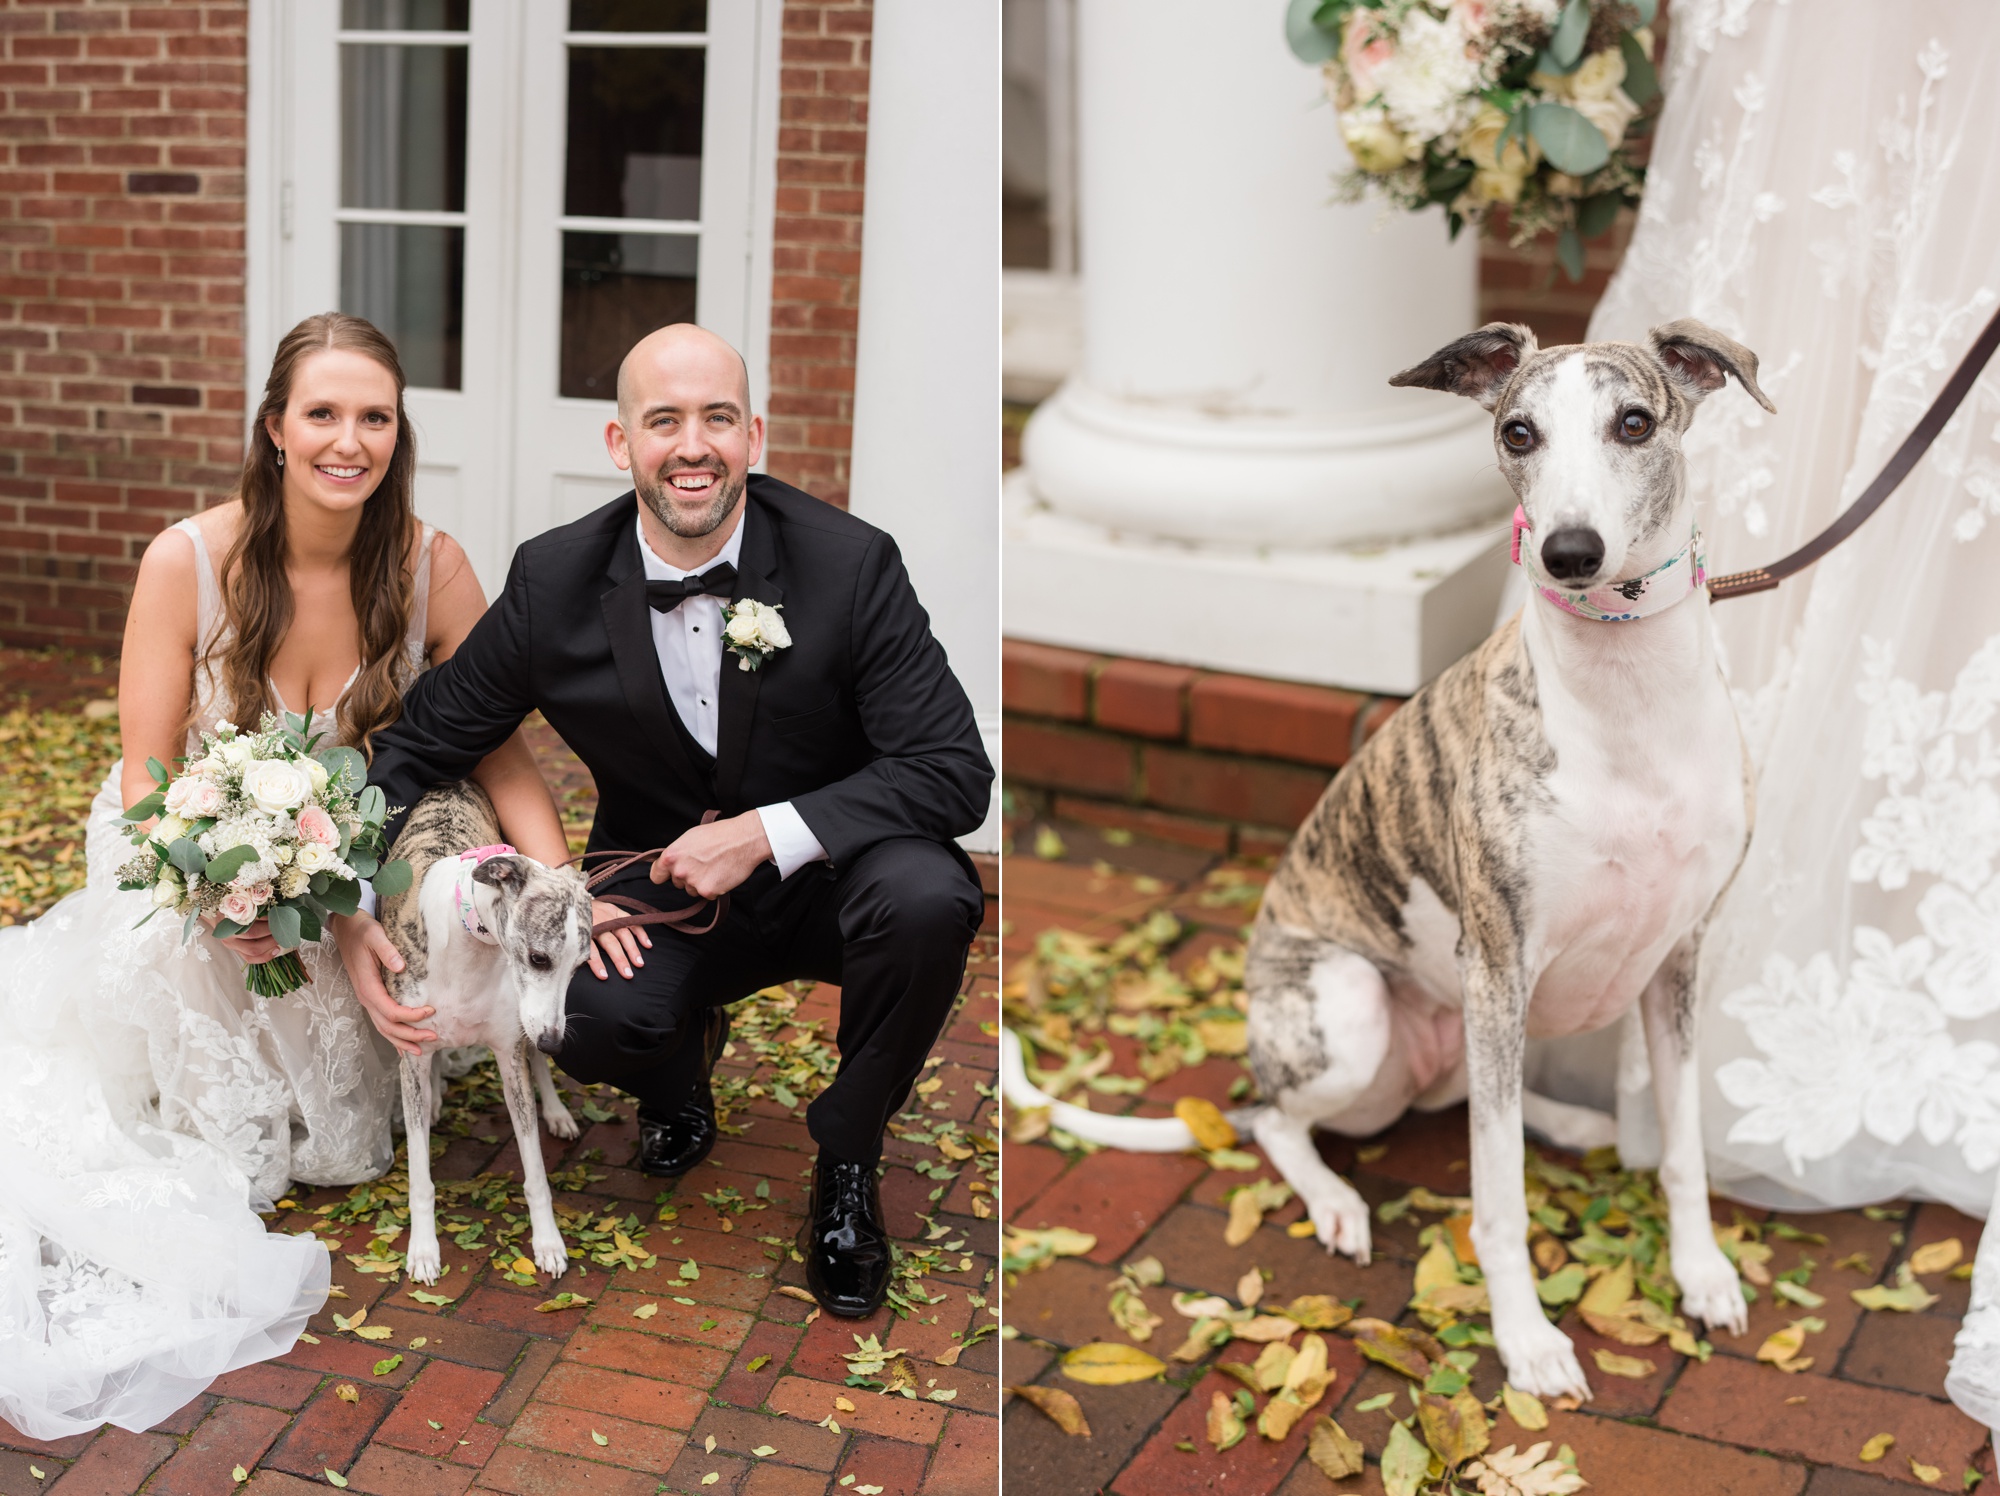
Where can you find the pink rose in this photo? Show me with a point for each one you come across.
(1474, 14)
(260, 894)
(1364, 47)
(238, 907)
(316, 826)
(205, 799)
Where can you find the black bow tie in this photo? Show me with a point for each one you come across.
(717, 581)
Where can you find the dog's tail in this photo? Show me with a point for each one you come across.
(1133, 1134)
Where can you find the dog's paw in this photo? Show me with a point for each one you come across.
(551, 1256)
(1710, 1291)
(560, 1123)
(422, 1261)
(1541, 1360)
(1341, 1224)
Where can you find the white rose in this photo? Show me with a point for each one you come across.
(178, 792)
(741, 628)
(275, 784)
(236, 752)
(208, 766)
(238, 907)
(775, 633)
(319, 775)
(281, 856)
(169, 829)
(1611, 115)
(292, 882)
(205, 799)
(166, 892)
(311, 857)
(1598, 74)
(1372, 141)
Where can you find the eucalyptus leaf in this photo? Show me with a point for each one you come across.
(1596, 214)
(310, 928)
(1309, 42)
(157, 769)
(344, 761)
(224, 928)
(1571, 142)
(1642, 80)
(1569, 253)
(189, 858)
(285, 926)
(226, 865)
(393, 879)
(192, 922)
(363, 863)
(152, 805)
(341, 896)
(1572, 29)
(373, 805)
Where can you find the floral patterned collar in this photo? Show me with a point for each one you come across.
(1678, 577)
(462, 895)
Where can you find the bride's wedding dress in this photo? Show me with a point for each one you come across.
(1825, 189)
(149, 1106)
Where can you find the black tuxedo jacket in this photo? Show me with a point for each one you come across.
(860, 723)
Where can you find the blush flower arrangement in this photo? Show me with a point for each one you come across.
(260, 826)
(1474, 105)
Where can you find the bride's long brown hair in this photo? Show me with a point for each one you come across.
(257, 594)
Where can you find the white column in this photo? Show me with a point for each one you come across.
(926, 453)
(1231, 433)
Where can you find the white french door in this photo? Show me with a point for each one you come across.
(515, 191)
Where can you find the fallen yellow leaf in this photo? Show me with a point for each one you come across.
(1336, 1452)
(1225, 1426)
(1059, 1405)
(1524, 1408)
(1250, 1288)
(1204, 1119)
(1937, 1256)
(1635, 1367)
(1925, 1473)
(1104, 1364)
(1876, 1447)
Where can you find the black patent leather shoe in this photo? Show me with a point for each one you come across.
(673, 1143)
(843, 1241)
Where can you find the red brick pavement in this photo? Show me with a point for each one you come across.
(491, 1396)
(1730, 1426)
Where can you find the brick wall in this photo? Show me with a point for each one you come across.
(121, 296)
(1205, 758)
(816, 274)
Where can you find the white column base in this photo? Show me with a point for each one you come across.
(1384, 618)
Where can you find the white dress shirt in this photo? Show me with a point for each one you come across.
(689, 643)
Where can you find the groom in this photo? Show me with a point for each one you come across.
(842, 762)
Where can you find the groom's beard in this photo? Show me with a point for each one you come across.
(657, 493)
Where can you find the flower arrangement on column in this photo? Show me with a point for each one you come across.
(1472, 105)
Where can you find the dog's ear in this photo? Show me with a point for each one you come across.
(509, 874)
(1699, 359)
(1477, 366)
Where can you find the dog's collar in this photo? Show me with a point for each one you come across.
(462, 895)
(1673, 580)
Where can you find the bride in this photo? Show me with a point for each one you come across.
(152, 1104)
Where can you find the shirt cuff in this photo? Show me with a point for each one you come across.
(368, 900)
(792, 843)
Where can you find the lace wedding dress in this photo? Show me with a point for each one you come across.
(150, 1106)
(1824, 188)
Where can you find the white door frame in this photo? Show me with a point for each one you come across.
(494, 457)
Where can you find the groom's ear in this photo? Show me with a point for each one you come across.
(508, 874)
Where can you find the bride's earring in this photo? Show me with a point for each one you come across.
(281, 457)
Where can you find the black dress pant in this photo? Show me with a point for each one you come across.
(892, 928)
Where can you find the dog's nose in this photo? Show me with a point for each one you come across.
(1572, 553)
(549, 1043)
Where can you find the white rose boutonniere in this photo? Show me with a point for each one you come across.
(753, 632)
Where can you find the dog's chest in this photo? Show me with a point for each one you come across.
(1636, 843)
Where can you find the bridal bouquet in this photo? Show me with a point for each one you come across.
(1471, 104)
(259, 826)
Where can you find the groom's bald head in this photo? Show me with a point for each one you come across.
(665, 363)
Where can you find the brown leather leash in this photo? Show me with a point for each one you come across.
(1764, 578)
(645, 914)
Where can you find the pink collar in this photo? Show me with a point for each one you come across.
(1680, 576)
(462, 895)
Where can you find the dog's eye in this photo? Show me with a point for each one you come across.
(1635, 425)
(540, 961)
(1518, 435)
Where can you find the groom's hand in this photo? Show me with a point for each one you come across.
(710, 860)
(366, 950)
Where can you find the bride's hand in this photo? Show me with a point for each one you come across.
(622, 946)
(366, 950)
(253, 945)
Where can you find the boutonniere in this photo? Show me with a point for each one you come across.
(753, 632)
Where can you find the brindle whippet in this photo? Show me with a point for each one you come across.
(1531, 846)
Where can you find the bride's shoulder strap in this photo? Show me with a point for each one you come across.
(421, 591)
(208, 607)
